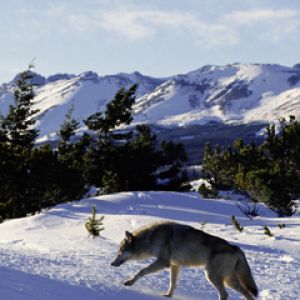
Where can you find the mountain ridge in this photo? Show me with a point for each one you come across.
(231, 94)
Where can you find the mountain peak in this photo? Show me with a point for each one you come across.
(234, 93)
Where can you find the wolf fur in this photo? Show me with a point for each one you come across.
(175, 245)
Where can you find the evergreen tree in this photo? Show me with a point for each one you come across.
(128, 160)
(68, 128)
(17, 139)
(118, 112)
(172, 158)
(94, 226)
(33, 178)
(268, 173)
(142, 160)
(17, 126)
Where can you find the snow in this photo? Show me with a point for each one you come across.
(270, 96)
(231, 94)
(50, 256)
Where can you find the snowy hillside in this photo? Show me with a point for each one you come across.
(49, 256)
(237, 93)
(85, 93)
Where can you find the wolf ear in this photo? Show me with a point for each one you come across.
(128, 235)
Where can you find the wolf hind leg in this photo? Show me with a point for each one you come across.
(156, 266)
(218, 282)
(234, 283)
(174, 272)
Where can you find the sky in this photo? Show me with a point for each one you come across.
(156, 37)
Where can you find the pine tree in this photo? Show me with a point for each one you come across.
(129, 159)
(118, 112)
(268, 173)
(32, 178)
(94, 226)
(69, 127)
(17, 126)
(103, 155)
(17, 139)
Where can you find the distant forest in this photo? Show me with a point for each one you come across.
(268, 173)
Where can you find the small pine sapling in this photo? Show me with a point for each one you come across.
(281, 226)
(268, 231)
(94, 226)
(236, 224)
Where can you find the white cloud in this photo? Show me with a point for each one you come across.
(79, 22)
(270, 25)
(139, 24)
(261, 15)
(128, 24)
(145, 24)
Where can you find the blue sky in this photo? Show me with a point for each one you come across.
(156, 37)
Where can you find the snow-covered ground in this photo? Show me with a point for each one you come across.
(50, 256)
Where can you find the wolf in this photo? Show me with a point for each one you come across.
(175, 245)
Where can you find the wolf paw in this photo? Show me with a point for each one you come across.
(128, 282)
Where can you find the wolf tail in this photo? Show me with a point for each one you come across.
(244, 275)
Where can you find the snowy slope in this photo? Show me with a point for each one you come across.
(236, 93)
(86, 93)
(49, 256)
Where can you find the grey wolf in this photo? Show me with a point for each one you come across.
(175, 245)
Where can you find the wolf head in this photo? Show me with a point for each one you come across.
(126, 250)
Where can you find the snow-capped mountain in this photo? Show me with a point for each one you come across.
(86, 94)
(236, 93)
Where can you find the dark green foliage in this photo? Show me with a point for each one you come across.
(57, 180)
(111, 182)
(129, 160)
(94, 226)
(69, 127)
(270, 187)
(71, 156)
(16, 126)
(34, 178)
(118, 112)
(236, 224)
(267, 231)
(268, 173)
(208, 192)
(105, 152)
(137, 161)
(281, 226)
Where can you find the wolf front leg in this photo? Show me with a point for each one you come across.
(158, 265)
(174, 272)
